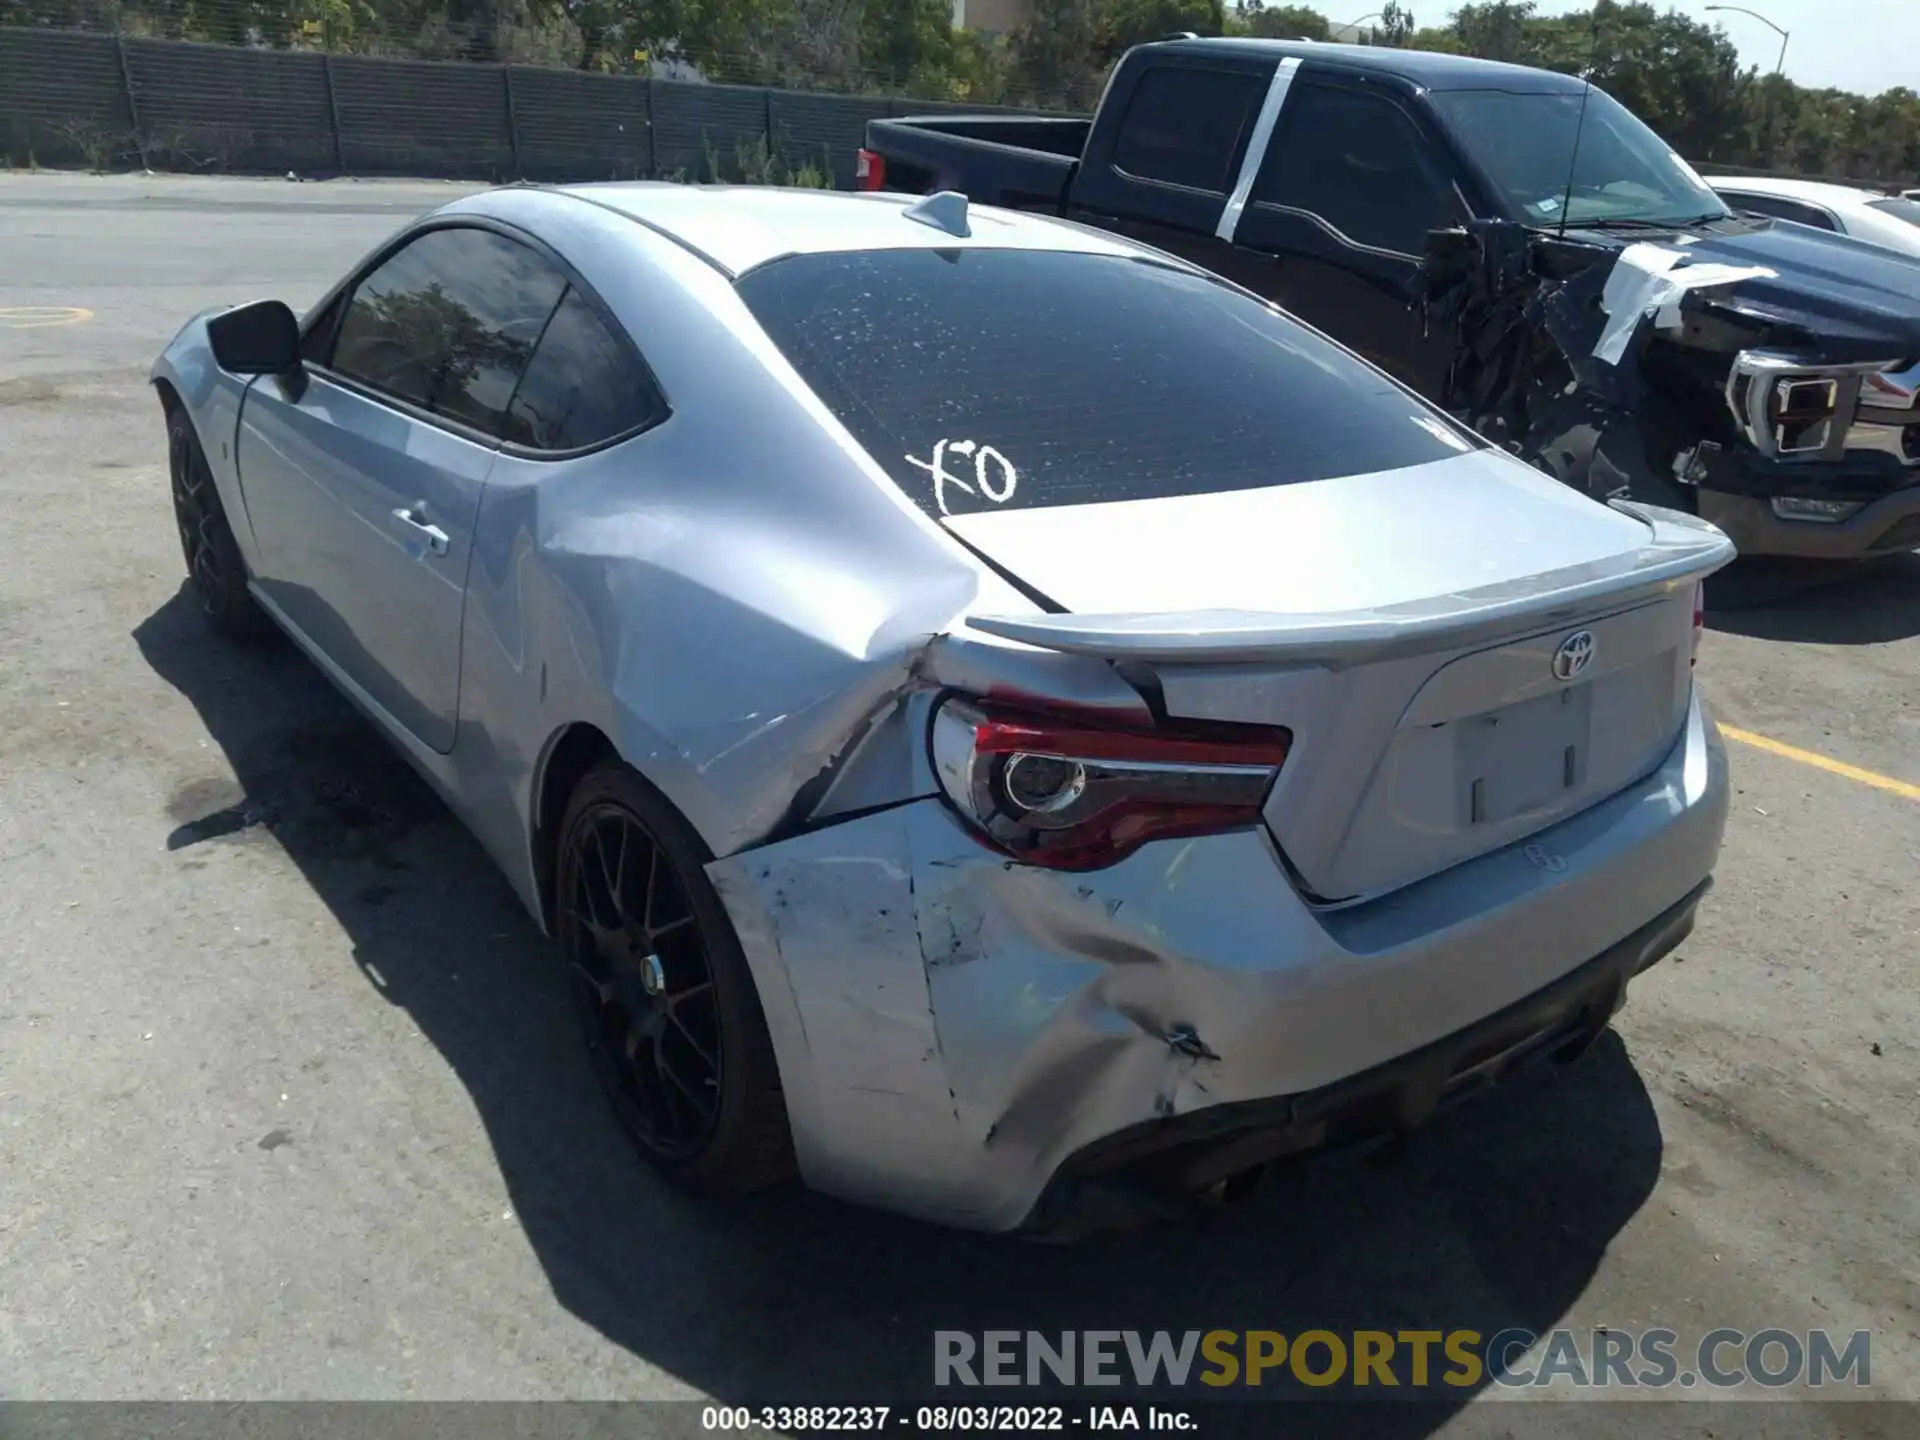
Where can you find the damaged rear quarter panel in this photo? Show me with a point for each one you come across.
(731, 604)
(951, 1026)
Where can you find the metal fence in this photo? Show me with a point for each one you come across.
(72, 99)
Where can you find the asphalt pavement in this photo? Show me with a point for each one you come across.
(290, 1105)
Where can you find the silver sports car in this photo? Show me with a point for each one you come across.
(995, 718)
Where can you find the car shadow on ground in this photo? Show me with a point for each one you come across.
(1496, 1216)
(1822, 603)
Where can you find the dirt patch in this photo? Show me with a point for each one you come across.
(29, 390)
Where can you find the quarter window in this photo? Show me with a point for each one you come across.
(448, 323)
(1186, 126)
(582, 386)
(1357, 162)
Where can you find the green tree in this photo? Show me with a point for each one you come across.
(910, 42)
(1396, 25)
(1281, 22)
(1500, 30)
(1439, 38)
(1683, 78)
(612, 30)
(1055, 54)
(1134, 22)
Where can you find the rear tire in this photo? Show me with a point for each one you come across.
(215, 569)
(672, 1021)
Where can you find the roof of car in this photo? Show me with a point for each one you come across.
(1822, 191)
(739, 227)
(1430, 69)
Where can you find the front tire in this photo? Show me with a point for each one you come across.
(215, 568)
(672, 1021)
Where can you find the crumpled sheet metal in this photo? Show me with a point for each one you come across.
(648, 591)
(1551, 332)
(1557, 337)
(950, 1026)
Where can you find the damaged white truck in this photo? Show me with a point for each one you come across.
(994, 717)
(1515, 245)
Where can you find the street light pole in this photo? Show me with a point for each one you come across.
(1356, 24)
(1779, 66)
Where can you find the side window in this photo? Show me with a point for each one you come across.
(448, 322)
(1184, 126)
(1359, 163)
(1782, 209)
(582, 385)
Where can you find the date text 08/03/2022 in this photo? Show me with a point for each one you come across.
(977, 1419)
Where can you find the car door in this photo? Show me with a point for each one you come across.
(1176, 152)
(363, 477)
(1351, 183)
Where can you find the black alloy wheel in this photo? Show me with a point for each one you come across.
(672, 1023)
(215, 568)
(641, 975)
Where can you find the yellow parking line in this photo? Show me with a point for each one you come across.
(1823, 762)
(41, 317)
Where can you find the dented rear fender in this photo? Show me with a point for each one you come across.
(952, 1027)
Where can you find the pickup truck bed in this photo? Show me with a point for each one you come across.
(1030, 161)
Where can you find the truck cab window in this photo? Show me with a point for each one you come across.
(1187, 126)
(1357, 162)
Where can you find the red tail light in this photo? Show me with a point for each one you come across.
(1699, 619)
(869, 171)
(1068, 794)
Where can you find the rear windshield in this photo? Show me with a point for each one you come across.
(1900, 209)
(984, 379)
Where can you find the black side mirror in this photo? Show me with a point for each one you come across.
(258, 339)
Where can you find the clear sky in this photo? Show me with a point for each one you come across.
(1863, 45)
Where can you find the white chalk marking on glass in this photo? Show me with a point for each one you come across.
(1009, 478)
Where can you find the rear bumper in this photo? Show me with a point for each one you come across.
(1880, 527)
(963, 1038)
(1162, 1162)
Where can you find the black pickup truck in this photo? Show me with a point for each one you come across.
(1512, 243)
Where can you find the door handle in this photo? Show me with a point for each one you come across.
(432, 537)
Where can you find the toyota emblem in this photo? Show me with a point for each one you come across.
(1541, 857)
(1573, 657)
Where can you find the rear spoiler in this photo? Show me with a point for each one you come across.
(1681, 551)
